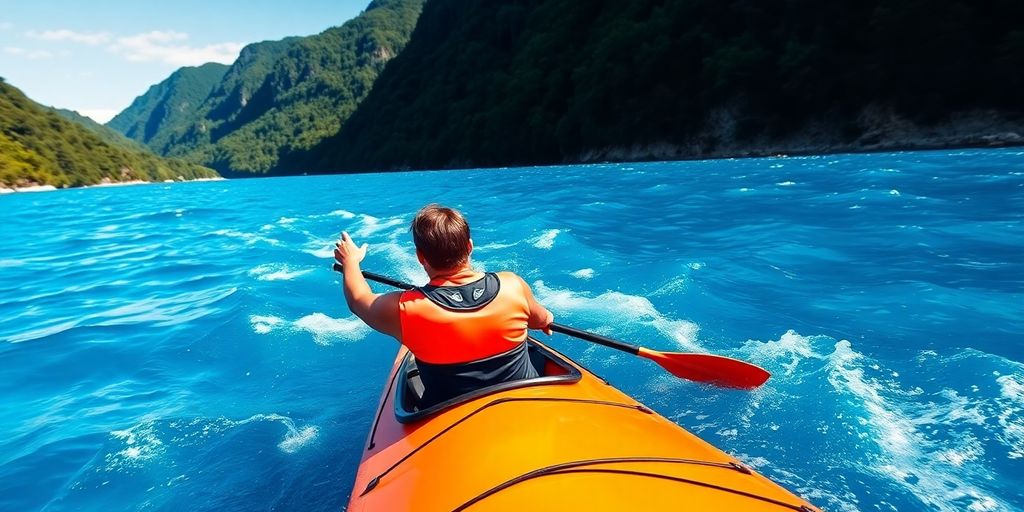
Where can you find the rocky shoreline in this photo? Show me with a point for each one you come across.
(880, 129)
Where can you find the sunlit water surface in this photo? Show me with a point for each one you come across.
(186, 347)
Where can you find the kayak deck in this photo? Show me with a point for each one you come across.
(572, 441)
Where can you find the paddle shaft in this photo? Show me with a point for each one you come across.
(564, 329)
(379, 278)
(596, 338)
(709, 368)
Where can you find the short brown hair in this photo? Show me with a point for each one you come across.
(442, 235)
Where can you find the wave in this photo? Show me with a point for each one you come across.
(932, 443)
(277, 272)
(324, 329)
(159, 311)
(345, 214)
(618, 311)
(371, 225)
(151, 440)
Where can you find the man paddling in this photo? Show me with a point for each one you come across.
(467, 329)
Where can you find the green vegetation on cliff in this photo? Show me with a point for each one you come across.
(108, 134)
(169, 105)
(548, 81)
(282, 97)
(38, 146)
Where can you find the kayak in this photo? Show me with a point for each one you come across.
(566, 440)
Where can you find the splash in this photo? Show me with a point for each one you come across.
(546, 240)
(932, 448)
(324, 329)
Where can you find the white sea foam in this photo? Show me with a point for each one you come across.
(140, 443)
(371, 225)
(546, 240)
(674, 286)
(264, 324)
(790, 345)
(321, 251)
(402, 256)
(618, 309)
(324, 329)
(1011, 415)
(277, 272)
(327, 330)
(933, 472)
(494, 246)
(583, 273)
(151, 439)
(294, 439)
(786, 183)
(929, 443)
(345, 214)
(894, 192)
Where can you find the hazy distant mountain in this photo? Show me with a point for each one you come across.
(279, 97)
(551, 81)
(38, 146)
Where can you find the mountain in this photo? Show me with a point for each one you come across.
(38, 146)
(108, 134)
(282, 97)
(168, 105)
(553, 81)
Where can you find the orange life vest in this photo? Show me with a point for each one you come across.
(435, 334)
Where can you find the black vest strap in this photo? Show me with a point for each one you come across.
(467, 297)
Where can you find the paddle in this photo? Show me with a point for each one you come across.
(708, 368)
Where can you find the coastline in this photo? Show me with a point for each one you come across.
(4, 190)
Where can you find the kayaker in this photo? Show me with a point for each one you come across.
(467, 329)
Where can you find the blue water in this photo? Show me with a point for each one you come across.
(186, 346)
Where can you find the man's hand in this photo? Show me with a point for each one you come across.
(347, 252)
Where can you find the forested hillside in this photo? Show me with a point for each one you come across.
(168, 106)
(281, 97)
(40, 147)
(549, 81)
(108, 134)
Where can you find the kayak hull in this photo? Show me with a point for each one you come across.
(573, 443)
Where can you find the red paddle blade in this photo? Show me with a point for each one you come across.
(708, 368)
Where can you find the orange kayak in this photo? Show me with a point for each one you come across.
(566, 440)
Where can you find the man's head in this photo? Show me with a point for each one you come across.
(441, 236)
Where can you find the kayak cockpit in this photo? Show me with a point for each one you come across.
(551, 367)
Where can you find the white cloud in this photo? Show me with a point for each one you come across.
(33, 54)
(6, 25)
(89, 38)
(170, 47)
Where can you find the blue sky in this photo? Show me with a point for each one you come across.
(97, 56)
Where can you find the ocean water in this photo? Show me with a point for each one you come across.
(186, 346)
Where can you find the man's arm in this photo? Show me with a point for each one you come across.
(378, 311)
(540, 317)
